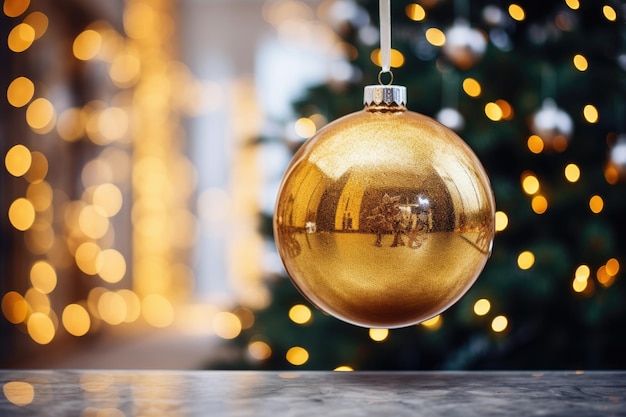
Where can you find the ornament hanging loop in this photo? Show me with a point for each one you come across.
(380, 77)
(385, 37)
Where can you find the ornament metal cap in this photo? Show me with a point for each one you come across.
(384, 94)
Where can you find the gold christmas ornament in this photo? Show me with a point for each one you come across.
(385, 217)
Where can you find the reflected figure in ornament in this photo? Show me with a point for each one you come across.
(346, 223)
(403, 220)
(382, 218)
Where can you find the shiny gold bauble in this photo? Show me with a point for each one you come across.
(385, 217)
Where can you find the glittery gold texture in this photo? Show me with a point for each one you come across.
(384, 218)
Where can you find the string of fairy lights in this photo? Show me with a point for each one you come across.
(141, 177)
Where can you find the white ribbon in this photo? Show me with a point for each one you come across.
(385, 35)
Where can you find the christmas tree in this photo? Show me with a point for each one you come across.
(537, 91)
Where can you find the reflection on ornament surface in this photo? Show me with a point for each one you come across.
(384, 217)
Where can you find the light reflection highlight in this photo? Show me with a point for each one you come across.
(19, 393)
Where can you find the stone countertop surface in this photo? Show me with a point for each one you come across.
(83, 393)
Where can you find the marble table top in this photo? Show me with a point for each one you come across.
(242, 393)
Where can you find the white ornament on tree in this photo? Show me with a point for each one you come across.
(451, 118)
(617, 157)
(553, 125)
(464, 46)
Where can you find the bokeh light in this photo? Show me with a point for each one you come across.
(396, 58)
(18, 160)
(14, 8)
(482, 307)
(493, 111)
(39, 22)
(300, 314)
(21, 37)
(580, 62)
(20, 91)
(505, 108)
(87, 45)
(125, 69)
(40, 194)
(596, 204)
(93, 221)
(87, 258)
(259, 350)
(572, 172)
(525, 260)
(112, 265)
(305, 127)
(226, 325)
(158, 312)
(535, 144)
(517, 12)
(582, 273)
(612, 266)
(573, 4)
(112, 308)
(108, 197)
(530, 183)
(14, 307)
(539, 204)
(472, 87)
(378, 335)
(43, 277)
(579, 285)
(40, 328)
(415, 12)
(502, 221)
(590, 113)
(76, 320)
(71, 124)
(297, 356)
(609, 12)
(499, 324)
(604, 278)
(433, 323)
(41, 116)
(435, 37)
(38, 168)
(21, 214)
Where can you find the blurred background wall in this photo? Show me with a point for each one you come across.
(131, 190)
(143, 142)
